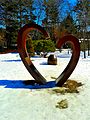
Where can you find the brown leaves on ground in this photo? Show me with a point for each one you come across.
(62, 104)
(70, 86)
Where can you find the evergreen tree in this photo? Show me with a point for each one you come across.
(52, 15)
(9, 17)
(15, 14)
(25, 12)
(51, 9)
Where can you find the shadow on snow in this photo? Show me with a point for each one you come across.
(11, 60)
(29, 84)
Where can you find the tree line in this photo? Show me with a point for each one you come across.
(58, 17)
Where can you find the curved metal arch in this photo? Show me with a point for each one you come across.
(23, 51)
(74, 58)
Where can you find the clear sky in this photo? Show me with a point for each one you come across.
(73, 2)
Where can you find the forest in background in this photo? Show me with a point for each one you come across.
(58, 17)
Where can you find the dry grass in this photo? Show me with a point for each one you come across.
(70, 86)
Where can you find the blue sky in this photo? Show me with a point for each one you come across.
(73, 2)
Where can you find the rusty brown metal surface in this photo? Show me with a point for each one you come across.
(74, 58)
(23, 51)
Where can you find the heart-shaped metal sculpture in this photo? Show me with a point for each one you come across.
(30, 66)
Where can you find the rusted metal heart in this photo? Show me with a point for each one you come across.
(30, 66)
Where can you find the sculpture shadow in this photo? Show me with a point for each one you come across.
(29, 84)
(43, 63)
(11, 60)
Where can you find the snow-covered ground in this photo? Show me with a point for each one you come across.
(27, 102)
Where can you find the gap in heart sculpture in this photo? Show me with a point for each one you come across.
(62, 78)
